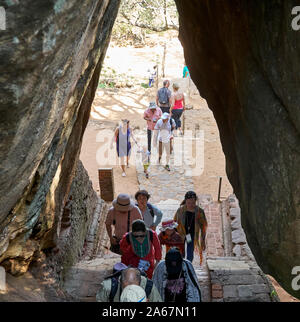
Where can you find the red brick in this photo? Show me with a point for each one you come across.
(217, 294)
(216, 286)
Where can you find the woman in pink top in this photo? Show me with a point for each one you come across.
(177, 106)
(152, 114)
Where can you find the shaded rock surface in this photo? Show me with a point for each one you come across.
(52, 53)
(242, 56)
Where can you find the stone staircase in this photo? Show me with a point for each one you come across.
(229, 272)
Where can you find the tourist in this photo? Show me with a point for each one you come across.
(177, 106)
(151, 214)
(133, 293)
(152, 114)
(145, 159)
(176, 280)
(163, 133)
(122, 136)
(163, 97)
(112, 286)
(141, 248)
(192, 225)
(185, 72)
(170, 237)
(120, 217)
(152, 74)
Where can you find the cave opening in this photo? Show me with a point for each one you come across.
(241, 63)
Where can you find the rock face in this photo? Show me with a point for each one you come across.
(52, 53)
(244, 58)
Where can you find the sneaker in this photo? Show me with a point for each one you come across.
(167, 167)
(147, 175)
(123, 174)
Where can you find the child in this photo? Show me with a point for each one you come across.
(145, 160)
(170, 237)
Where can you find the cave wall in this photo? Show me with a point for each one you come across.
(244, 58)
(51, 52)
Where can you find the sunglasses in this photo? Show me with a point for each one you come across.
(139, 236)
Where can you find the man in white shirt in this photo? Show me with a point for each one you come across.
(163, 133)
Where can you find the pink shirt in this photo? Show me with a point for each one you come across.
(121, 220)
(156, 115)
(178, 104)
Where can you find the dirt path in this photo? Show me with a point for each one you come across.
(112, 105)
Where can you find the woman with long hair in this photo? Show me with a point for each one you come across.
(192, 225)
(122, 136)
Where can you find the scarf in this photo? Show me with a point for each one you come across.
(140, 250)
(200, 227)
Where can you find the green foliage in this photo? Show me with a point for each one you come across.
(138, 18)
(109, 78)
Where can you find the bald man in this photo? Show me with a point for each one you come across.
(129, 276)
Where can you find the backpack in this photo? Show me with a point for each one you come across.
(115, 284)
(149, 206)
(163, 97)
(150, 209)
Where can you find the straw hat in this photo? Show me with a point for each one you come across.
(133, 293)
(168, 224)
(123, 202)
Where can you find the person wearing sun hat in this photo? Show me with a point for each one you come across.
(120, 216)
(133, 293)
(112, 286)
(163, 134)
(152, 114)
(169, 236)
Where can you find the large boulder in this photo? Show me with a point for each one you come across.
(52, 52)
(244, 57)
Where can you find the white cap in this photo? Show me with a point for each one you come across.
(133, 293)
(165, 116)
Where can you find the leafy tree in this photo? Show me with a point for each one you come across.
(137, 17)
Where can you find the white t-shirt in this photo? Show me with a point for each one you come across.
(164, 130)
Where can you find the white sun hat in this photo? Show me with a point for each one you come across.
(165, 116)
(133, 293)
